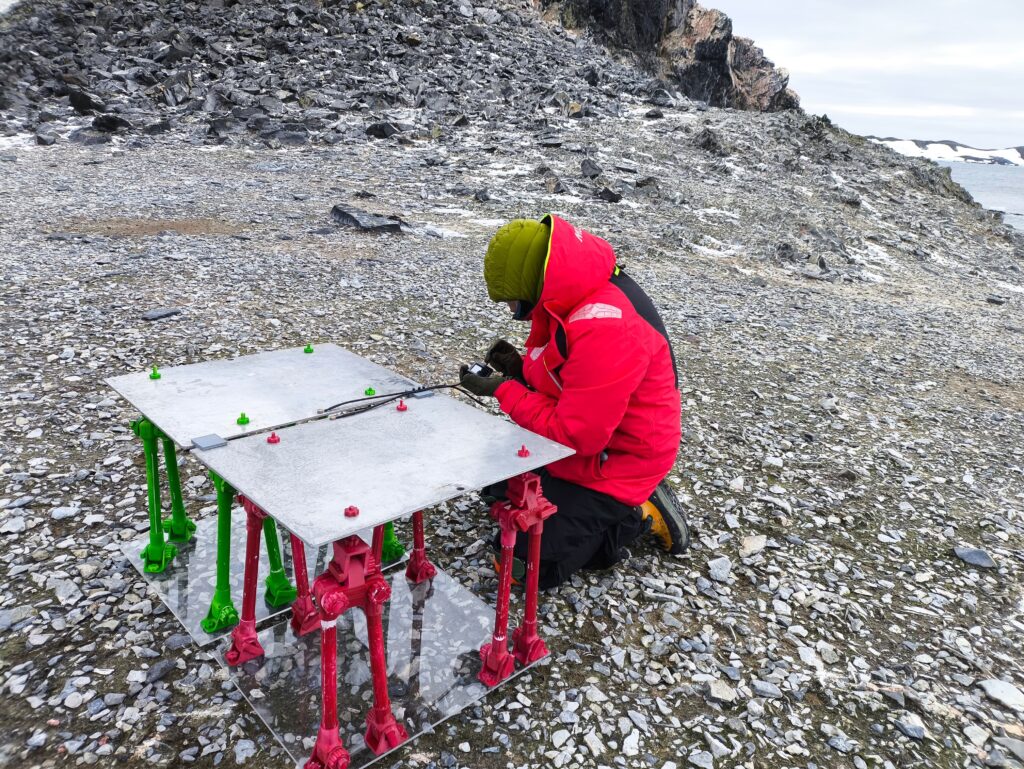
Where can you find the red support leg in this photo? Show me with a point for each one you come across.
(527, 646)
(525, 510)
(328, 752)
(304, 616)
(383, 732)
(245, 644)
(353, 579)
(377, 547)
(419, 569)
(497, 662)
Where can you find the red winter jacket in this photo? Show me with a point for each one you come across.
(611, 388)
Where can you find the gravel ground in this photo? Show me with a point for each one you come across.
(850, 331)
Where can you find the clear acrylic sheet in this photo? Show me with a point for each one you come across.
(186, 586)
(433, 632)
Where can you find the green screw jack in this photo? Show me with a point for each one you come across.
(391, 549)
(242, 419)
(154, 374)
(369, 391)
(280, 591)
(222, 614)
(308, 349)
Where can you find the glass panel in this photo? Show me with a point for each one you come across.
(433, 633)
(186, 585)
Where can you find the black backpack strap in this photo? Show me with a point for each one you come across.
(645, 309)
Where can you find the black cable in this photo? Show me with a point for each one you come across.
(390, 396)
(385, 398)
(470, 395)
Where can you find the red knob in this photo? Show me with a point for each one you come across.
(401, 405)
(273, 438)
(351, 511)
(523, 452)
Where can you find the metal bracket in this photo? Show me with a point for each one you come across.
(211, 441)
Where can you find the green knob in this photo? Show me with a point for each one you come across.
(154, 374)
(308, 349)
(369, 391)
(242, 419)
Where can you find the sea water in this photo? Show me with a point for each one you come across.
(1000, 188)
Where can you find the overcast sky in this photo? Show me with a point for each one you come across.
(943, 69)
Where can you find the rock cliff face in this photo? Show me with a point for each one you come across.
(691, 46)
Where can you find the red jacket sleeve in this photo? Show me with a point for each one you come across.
(604, 369)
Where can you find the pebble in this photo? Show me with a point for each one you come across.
(720, 568)
(244, 750)
(975, 557)
(1004, 693)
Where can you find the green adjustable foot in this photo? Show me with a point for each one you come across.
(280, 591)
(156, 558)
(222, 614)
(392, 549)
(180, 528)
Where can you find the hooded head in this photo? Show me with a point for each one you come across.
(515, 259)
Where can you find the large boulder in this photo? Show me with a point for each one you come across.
(691, 46)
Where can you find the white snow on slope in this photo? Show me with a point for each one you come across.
(956, 152)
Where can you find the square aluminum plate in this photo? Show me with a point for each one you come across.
(272, 389)
(384, 462)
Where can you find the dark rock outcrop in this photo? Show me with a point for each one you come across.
(691, 46)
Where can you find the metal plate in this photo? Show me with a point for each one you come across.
(433, 632)
(272, 388)
(186, 585)
(384, 462)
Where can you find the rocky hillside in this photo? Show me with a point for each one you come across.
(691, 46)
(288, 71)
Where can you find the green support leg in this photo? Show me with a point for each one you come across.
(179, 527)
(222, 614)
(392, 549)
(158, 553)
(280, 592)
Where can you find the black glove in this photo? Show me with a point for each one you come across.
(506, 359)
(484, 386)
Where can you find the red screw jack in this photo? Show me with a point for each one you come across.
(401, 405)
(273, 438)
(351, 511)
(523, 452)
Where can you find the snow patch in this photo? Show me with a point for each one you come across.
(952, 151)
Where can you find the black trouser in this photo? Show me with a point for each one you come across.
(588, 531)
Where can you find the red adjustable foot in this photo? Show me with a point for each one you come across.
(383, 732)
(419, 569)
(328, 753)
(527, 646)
(497, 663)
(304, 615)
(305, 619)
(245, 644)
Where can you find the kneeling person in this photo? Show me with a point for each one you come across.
(598, 376)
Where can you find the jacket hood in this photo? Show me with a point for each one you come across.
(578, 264)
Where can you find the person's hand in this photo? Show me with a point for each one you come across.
(506, 359)
(484, 386)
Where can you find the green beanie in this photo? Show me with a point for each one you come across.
(514, 263)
